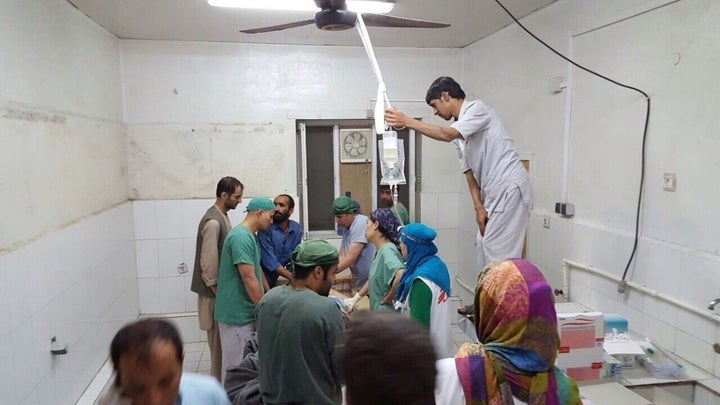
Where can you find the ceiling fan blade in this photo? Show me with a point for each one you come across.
(382, 20)
(278, 27)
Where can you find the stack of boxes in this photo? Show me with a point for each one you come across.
(581, 344)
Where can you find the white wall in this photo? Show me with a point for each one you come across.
(66, 241)
(637, 44)
(61, 130)
(199, 111)
(78, 284)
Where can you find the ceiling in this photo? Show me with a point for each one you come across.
(195, 20)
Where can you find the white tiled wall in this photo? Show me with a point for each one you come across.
(456, 245)
(165, 232)
(78, 284)
(690, 276)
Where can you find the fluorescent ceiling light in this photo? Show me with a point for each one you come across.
(359, 6)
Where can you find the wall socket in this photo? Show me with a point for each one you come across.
(182, 268)
(546, 221)
(669, 181)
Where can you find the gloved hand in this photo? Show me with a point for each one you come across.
(350, 303)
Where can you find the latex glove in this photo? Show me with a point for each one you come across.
(350, 303)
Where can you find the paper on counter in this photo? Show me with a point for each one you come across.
(623, 347)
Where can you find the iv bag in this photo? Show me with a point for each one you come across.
(392, 159)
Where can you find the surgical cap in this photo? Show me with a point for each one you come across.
(314, 252)
(260, 203)
(343, 205)
(388, 222)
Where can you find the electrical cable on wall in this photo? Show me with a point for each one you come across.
(623, 284)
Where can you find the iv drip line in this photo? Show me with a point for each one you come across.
(390, 157)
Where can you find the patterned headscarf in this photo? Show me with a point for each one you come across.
(388, 223)
(422, 259)
(516, 324)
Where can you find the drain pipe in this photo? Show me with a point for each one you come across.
(567, 264)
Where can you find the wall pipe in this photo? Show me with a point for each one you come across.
(567, 264)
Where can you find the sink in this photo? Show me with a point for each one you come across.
(667, 394)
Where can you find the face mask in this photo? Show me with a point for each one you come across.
(279, 217)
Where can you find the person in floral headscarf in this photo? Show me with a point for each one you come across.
(514, 362)
(385, 271)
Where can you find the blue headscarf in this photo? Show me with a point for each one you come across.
(422, 260)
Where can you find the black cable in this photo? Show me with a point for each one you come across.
(647, 120)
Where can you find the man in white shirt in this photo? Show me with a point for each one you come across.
(498, 182)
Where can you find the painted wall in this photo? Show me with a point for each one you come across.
(194, 112)
(198, 111)
(669, 49)
(67, 257)
(61, 129)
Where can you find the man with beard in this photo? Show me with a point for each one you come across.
(398, 209)
(298, 330)
(278, 242)
(213, 228)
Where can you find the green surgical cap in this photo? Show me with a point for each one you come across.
(314, 252)
(260, 203)
(343, 205)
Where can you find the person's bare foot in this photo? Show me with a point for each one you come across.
(467, 310)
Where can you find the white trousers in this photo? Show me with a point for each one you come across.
(232, 340)
(505, 230)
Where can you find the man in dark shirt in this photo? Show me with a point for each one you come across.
(278, 242)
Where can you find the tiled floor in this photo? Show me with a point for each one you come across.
(197, 360)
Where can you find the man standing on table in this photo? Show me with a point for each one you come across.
(498, 182)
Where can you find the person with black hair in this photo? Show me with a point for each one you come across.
(499, 185)
(387, 265)
(212, 230)
(298, 328)
(388, 359)
(147, 358)
(279, 240)
(386, 198)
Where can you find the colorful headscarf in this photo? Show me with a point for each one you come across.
(388, 223)
(516, 324)
(422, 260)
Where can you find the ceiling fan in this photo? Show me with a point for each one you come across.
(334, 16)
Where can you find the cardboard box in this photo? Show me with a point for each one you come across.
(581, 334)
(580, 368)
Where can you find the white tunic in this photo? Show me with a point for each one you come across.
(490, 153)
(440, 318)
(506, 190)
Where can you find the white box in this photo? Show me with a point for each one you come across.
(581, 334)
(580, 368)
